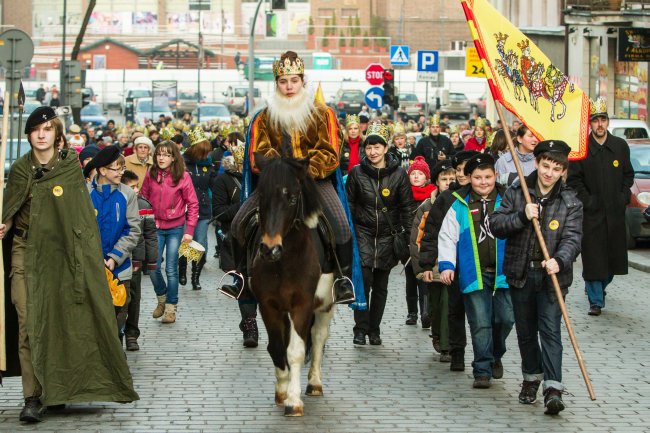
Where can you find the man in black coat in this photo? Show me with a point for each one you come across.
(435, 146)
(602, 181)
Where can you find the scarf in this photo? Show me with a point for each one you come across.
(354, 144)
(421, 193)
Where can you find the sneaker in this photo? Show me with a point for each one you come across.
(32, 411)
(481, 382)
(426, 321)
(445, 356)
(594, 310)
(457, 362)
(497, 369)
(553, 401)
(359, 338)
(132, 344)
(435, 340)
(374, 339)
(411, 318)
(251, 333)
(528, 394)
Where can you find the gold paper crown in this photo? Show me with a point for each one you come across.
(352, 119)
(196, 135)
(480, 123)
(453, 129)
(380, 130)
(238, 153)
(598, 107)
(288, 67)
(247, 121)
(434, 120)
(399, 129)
(167, 133)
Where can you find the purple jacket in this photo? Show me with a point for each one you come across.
(171, 202)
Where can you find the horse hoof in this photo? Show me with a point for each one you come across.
(280, 397)
(314, 390)
(293, 411)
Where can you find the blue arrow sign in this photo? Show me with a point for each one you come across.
(427, 61)
(375, 98)
(399, 55)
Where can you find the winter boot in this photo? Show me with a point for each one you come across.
(343, 289)
(182, 271)
(251, 334)
(160, 308)
(196, 273)
(170, 314)
(32, 411)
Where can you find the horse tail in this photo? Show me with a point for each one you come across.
(308, 343)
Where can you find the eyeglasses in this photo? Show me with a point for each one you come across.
(165, 155)
(117, 170)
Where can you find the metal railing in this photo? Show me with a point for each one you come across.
(608, 5)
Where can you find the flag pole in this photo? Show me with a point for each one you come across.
(3, 155)
(542, 244)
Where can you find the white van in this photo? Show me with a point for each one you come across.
(627, 128)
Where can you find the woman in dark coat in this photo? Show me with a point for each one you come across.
(378, 173)
(602, 181)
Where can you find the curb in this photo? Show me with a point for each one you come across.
(637, 261)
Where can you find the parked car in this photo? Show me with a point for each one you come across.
(235, 99)
(131, 95)
(30, 105)
(187, 101)
(411, 105)
(143, 111)
(457, 106)
(480, 105)
(349, 101)
(93, 114)
(210, 112)
(637, 226)
(628, 128)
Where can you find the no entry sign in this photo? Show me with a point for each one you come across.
(375, 74)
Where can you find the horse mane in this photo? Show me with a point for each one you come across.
(281, 172)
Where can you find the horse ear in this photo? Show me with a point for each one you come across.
(261, 161)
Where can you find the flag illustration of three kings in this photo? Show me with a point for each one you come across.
(525, 81)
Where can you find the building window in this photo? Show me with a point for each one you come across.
(325, 13)
(349, 12)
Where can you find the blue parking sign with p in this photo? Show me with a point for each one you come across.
(427, 61)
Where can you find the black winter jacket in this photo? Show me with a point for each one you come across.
(225, 200)
(203, 177)
(145, 254)
(561, 227)
(429, 148)
(373, 231)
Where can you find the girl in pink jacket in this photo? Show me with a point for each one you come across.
(168, 187)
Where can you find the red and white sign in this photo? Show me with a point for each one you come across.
(375, 74)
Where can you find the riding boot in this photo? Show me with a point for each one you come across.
(343, 288)
(182, 270)
(196, 273)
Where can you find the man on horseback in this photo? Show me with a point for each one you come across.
(293, 125)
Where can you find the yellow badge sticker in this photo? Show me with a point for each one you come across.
(205, 169)
(96, 212)
(615, 163)
(385, 192)
(57, 191)
(553, 225)
(346, 154)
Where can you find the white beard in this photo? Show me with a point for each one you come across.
(287, 113)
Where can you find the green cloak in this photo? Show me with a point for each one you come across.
(76, 352)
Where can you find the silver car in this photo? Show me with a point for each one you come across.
(457, 106)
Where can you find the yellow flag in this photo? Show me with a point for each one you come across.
(319, 98)
(525, 81)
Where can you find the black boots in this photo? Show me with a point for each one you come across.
(196, 273)
(343, 288)
(32, 411)
(182, 270)
(249, 328)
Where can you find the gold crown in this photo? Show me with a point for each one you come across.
(399, 129)
(238, 153)
(480, 123)
(352, 119)
(434, 120)
(453, 129)
(196, 135)
(380, 130)
(288, 67)
(167, 133)
(598, 107)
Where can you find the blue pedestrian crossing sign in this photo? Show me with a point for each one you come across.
(399, 55)
(427, 61)
(375, 98)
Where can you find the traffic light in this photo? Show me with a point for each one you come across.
(278, 4)
(71, 70)
(389, 88)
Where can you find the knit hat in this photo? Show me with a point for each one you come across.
(420, 164)
(144, 140)
(89, 151)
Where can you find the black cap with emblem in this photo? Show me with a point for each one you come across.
(104, 158)
(481, 160)
(40, 115)
(462, 156)
(552, 146)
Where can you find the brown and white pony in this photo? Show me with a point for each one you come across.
(294, 296)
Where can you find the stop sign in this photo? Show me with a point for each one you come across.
(375, 74)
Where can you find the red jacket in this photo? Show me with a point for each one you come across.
(173, 205)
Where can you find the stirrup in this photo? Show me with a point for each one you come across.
(346, 301)
(240, 276)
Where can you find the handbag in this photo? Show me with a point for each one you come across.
(400, 237)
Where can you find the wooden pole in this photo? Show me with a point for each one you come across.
(3, 156)
(542, 244)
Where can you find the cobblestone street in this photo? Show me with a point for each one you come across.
(196, 376)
